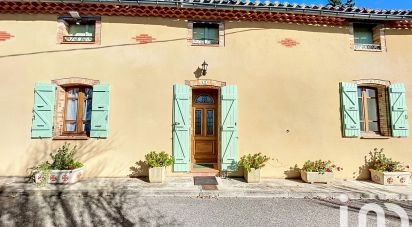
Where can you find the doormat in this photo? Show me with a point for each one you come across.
(205, 180)
(202, 166)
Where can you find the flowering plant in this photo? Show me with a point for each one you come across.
(320, 166)
(379, 162)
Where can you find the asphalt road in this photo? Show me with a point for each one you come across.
(132, 210)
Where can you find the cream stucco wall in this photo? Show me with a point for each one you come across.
(280, 89)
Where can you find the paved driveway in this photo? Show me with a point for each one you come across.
(133, 210)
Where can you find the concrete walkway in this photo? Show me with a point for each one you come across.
(228, 187)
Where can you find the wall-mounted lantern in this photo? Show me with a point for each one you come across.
(204, 68)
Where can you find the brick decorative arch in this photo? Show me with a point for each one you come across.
(373, 81)
(205, 83)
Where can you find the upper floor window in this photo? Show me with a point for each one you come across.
(83, 30)
(367, 36)
(78, 110)
(206, 33)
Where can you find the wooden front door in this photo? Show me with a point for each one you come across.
(204, 135)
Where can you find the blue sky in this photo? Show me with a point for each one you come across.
(375, 4)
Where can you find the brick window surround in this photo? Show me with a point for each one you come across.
(378, 38)
(60, 103)
(221, 33)
(63, 27)
(383, 105)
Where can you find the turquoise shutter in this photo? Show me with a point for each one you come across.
(398, 110)
(181, 128)
(42, 120)
(228, 128)
(100, 111)
(350, 109)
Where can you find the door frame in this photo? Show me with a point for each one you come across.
(206, 84)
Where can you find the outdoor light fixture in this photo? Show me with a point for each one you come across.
(75, 14)
(204, 68)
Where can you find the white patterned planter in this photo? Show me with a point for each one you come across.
(315, 177)
(157, 174)
(62, 176)
(390, 178)
(253, 176)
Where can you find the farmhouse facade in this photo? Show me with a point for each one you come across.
(206, 81)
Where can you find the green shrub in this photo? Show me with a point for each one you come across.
(379, 162)
(320, 166)
(255, 161)
(161, 159)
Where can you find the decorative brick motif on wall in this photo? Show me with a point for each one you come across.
(288, 42)
(205, 83)
(143, 38)
(221, 34)
(5, 36)
(60, 101)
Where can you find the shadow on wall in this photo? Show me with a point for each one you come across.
(140, 169)
(87, 150)
(293, 172)
(102, 208)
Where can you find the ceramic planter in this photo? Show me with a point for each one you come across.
(253, 176)
(315, 177)
(62, 176)
(390, 178)
(157, 174)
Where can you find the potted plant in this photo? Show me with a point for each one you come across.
(63, 169)
(386, 171)
(318, 171)
(157, 163)
(252, 165)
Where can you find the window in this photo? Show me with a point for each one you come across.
(206, 33)
(84, 30)
(368, 109)
(372, 108)
(78, 110)
(80, 31)
(367, 36)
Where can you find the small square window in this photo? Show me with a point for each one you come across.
(367, 37)
(206, 33)
(84, 30)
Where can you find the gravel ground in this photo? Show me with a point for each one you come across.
(132, 210)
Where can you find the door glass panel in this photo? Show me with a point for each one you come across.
(198, 122)
(204, 99)
(210, 121)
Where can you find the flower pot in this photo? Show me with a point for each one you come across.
(390, 178)
(315, 177)
(157, 174)
(253, 176)
(61, 176)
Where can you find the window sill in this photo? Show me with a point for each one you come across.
(206, 45)
(366, 50)
(70, 138)
(372, 136)
(78, 43)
